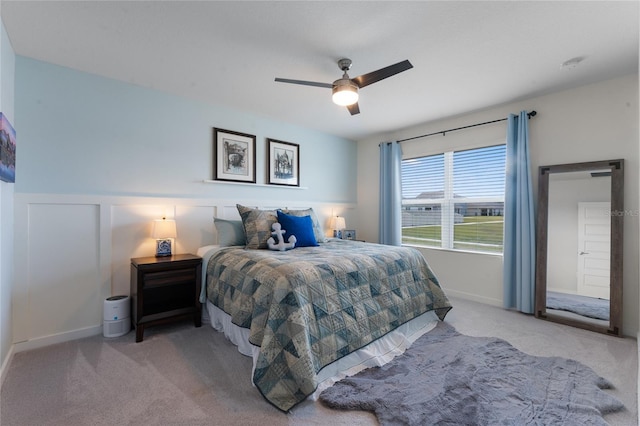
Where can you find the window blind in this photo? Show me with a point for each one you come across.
(455, 200)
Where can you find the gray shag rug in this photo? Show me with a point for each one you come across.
(447, 378)
(586, 306)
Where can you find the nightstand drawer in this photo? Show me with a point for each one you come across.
(163, 278)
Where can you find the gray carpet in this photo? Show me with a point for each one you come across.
(590, 307)
(186, 376)
(447, 378)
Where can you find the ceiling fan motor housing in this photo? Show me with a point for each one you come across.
(344, 64)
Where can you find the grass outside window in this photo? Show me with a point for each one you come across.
(475, 233)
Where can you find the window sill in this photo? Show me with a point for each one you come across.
(480, 253)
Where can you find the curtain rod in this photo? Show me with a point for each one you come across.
(443, 132)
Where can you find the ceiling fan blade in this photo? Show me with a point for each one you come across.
(305, 83)
(375, 76)
(354, 109)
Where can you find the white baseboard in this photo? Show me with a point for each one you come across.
(561, 290)
(57, 338)
(474, 298)
(5, 365)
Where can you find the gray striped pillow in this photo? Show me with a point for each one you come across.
(257, 225)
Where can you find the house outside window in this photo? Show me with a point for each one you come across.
(455, 200)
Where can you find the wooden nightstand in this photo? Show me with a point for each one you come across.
(165, 289)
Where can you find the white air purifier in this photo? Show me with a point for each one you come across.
(117, 317)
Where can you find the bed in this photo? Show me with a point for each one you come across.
(301, 313)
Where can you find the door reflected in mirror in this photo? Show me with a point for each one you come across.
(579, 245)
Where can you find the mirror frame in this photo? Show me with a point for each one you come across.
(617, 220)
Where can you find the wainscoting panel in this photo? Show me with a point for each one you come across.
(131, 227)
(195, 227)
(131, 234)
(73, 251)
(229, 212)
(64, 269)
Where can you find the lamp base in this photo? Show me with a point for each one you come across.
(163, 247)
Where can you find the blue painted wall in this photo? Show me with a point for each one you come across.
(85, 134)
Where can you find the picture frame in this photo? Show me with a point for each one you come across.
(234, 156)
(283, 163)
(348, 234)
(7, 150)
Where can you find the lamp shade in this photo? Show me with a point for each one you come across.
(164, 228)
(338, 222)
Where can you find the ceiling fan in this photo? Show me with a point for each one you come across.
(345, 89)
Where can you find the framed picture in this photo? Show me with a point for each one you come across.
(349, 234)
(7, 150)
(234, 156)
(283, 163)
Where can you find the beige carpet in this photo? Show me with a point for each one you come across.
(180, 375)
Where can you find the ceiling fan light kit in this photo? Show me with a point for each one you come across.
(345, 89)
(344, 92)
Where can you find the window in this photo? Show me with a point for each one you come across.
(455, 200)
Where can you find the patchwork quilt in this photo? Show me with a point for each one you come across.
(310, 306)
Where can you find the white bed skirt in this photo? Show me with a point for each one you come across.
(377, 353)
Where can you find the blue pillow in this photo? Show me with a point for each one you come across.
(300, 226)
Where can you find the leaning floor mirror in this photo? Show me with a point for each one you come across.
(579, 245)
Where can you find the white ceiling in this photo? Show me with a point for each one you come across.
(466, 55)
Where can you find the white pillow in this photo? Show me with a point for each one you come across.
(230, 232)
(317, 228)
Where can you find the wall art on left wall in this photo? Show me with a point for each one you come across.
(7, 150)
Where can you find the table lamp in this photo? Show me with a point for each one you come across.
(164, 231)
(338, 224)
